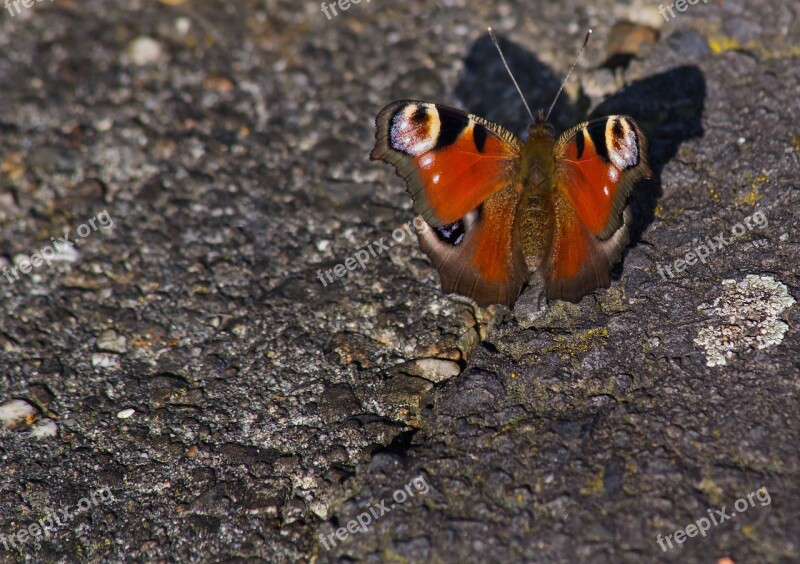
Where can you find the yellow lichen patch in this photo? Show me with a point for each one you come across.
(712, 490)
(666, 215)
(721, 43)
(579, 343)
(509, 426)
(714, 194)
(596, 484)
(753, 194)
(613, 301)
(796, 143)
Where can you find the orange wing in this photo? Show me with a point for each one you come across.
(597, 164)
(452, 161)
(480, 255)
(462, 173)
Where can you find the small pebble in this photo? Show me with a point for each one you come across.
(436, 370)
(144, 51)
(183, 25)
(125, 413)
(104, 124)
(16, 411)
(111, 341)
(44, 428)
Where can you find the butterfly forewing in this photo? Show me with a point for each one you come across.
(451, 160)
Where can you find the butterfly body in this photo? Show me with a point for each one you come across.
(536, 162)
(500, 207)
(537, 169)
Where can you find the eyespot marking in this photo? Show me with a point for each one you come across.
(414, 129)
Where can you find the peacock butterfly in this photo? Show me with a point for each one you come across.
(500, 207)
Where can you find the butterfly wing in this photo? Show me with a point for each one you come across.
(597, 164)
(480, 255)
(451, 161)
(462, 173)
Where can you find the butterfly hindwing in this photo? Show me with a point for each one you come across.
(596, 165)
(479, 255)
(452, 161)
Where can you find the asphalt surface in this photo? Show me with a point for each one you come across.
(178, 384)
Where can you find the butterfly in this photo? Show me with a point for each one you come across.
(499, 207)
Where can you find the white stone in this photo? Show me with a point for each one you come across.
(16, 411)
(436, 370)
(144, 51)
(44, 428)
(111, 341)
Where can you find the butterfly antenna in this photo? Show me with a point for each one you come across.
(566, 78)
(514, 80)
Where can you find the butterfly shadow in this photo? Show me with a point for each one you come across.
(668, 107)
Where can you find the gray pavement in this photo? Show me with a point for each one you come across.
(177, 384)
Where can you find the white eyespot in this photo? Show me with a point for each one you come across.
(415, 137)
(605, 190)
(613, 173)
(426, 161)
(622, 149)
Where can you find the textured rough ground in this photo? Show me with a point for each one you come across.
(269, 409)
